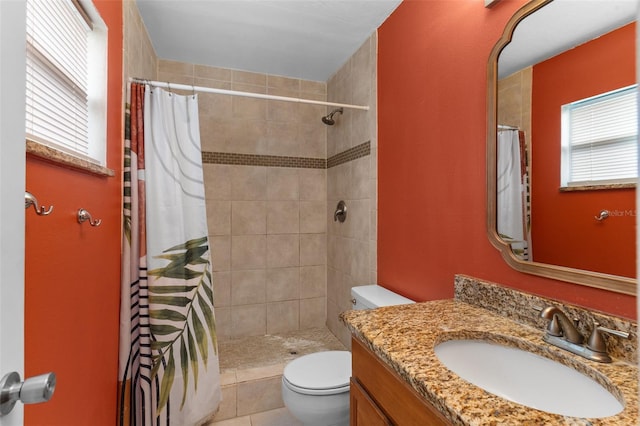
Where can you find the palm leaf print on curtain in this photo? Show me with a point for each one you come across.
(169, 371)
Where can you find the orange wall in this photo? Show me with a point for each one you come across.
(564, 231)
(432, 89)
(72, 277)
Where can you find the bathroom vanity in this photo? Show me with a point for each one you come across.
(380, 397)
(398, 378)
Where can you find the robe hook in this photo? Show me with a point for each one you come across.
(31, 200)
(84, 215)
(602, 215)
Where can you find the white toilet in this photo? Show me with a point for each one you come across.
(315, 387)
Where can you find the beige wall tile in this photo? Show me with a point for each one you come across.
(221, 288)
(248, 252)
(227, 408)
(313, 219)
(217, 135)
(248, 183)
(283, 111)
(351, 257)
(358, 258)
(313, 184)
(283, 284)
(257, 373)
(248, 217)
(283, 251)
(259, 395)
(287, 83)
(248, 287)
(213, 73)
(282, 183)
(313, 281)
(248, 320)
(313, 312)
(334, 281)
(283, 217)
(219, 217)
(175, 67)
(282, 139)
(213, 106)
(248, 136)
(244, 77)
(312, 140)
(251, 108)
(224, 325)
(217, 181)
(360, 179)
(283, 317)
(220, 247)
(358, 219)
(313, 249)
(313, 87)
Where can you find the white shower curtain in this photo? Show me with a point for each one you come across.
(510, 188)
(168, 354)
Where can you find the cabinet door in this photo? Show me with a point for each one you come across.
(364, 411)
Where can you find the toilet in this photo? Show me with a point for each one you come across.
(315, 387)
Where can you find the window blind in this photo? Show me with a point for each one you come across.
(57, 112)
(602, 133)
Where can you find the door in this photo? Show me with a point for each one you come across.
(12, 178)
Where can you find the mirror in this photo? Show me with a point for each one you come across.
(506, 59)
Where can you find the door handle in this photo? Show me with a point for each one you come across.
(33, 390)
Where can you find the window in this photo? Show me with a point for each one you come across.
(67, 77)
(599, 139)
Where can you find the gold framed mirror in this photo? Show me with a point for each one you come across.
(615, 283)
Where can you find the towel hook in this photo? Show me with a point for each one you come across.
(84, 215)
(31, 200)
(602, 215)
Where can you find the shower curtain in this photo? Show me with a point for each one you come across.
(510, 187)
(169, 371)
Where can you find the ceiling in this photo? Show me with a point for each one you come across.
(304, 39)
(312, 39)
(560, 26)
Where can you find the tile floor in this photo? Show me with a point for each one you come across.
(277, 417)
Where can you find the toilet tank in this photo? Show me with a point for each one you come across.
(374, 296)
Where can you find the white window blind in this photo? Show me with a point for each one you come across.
(58, 111)
(600, 139)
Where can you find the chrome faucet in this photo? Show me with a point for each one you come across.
(562, 332)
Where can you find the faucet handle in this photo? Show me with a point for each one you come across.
(596, 341)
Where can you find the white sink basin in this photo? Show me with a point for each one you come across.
(528, 379)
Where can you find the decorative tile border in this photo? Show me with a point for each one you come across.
(231, 158)
(263, 160)
(351, 154)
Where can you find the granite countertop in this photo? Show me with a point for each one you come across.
(404, 337)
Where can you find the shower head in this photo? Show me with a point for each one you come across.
(328, 119)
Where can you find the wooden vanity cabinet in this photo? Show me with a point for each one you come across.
(379, 397)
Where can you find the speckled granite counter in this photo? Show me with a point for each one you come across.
(404, 338)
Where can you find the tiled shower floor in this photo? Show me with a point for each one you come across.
(251, 371)
(262, 351)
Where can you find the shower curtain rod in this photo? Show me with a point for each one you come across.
(245, 94)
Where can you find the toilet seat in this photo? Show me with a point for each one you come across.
(320, 373)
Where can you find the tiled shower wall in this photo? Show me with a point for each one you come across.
(265, 185)
(351, 246)
(281, 262)
(139, 57)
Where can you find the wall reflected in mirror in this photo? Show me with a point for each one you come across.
(564, 52)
